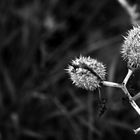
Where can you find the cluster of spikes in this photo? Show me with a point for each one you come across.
(88, 73)
(131, 48)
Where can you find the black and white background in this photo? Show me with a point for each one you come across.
(38, 39)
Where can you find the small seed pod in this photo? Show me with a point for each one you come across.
(131, 48)
(86, 73)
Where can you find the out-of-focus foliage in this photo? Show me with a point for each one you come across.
(38, 38)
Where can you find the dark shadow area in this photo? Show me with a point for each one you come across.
(38, 39)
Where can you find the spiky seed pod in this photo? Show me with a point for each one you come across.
(86, 73)
(131, 48)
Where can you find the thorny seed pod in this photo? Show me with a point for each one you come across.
(86, 73)
(131, 48)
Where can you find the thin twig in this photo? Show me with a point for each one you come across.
(136, 130)
(137, 96)
(131, 10)
(124, 89)
(32, 134)
(90, 115)
(65, 112)
(132, 102)
(111, 84)
(127, 77)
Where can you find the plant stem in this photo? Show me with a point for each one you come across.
(137, 96)
(132, 102)
(136, 130)
(127, 77)
(111, 84)
(124, 89)
(131, 99)
(131, 10)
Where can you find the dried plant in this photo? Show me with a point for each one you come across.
(88, 73)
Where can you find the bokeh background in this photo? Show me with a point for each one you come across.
(38, 39)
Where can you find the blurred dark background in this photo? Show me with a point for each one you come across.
(38, 39)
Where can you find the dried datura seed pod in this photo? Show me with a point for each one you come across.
(86, 73)
(131, 48)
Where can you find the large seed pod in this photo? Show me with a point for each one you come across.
(131, 48)
(86, 73)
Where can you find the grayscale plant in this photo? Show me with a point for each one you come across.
(89, 74)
